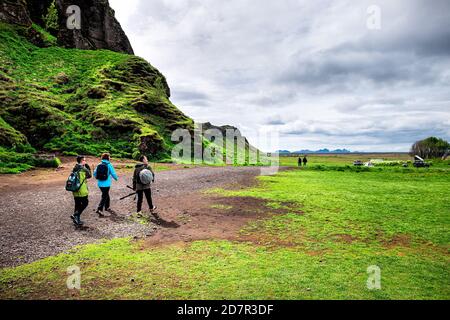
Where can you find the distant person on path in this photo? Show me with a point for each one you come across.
(81, 196)
(103, 173)
(299, 161)
(141, 183)
(305, 161)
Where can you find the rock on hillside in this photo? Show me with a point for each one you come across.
(99, 27)
(14, 12)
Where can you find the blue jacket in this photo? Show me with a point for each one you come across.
(112, 173)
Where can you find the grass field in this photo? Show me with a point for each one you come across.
(338, 159)
(339, 223)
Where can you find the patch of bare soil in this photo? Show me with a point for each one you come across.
(344, 238)
(399, 240)
(204, 217)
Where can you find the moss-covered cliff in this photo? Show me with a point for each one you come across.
(82, 101)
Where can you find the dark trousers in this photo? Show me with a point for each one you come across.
(105, 202)
(81, 203)
(148, 196)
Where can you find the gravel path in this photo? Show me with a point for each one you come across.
(35, 222)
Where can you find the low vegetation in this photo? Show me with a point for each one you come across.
(336, 225)
(17, 162)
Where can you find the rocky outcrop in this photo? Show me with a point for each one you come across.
(223, 129)
(37, 9)
(99, 27)
(14, 12)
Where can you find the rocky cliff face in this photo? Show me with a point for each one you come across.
(99, 27)
(14, 12)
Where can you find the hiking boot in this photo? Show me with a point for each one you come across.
(76, 220)
(153, 213)
(100, 214)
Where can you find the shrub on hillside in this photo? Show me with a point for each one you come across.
(16, 162)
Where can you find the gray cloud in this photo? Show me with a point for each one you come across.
(194, 98)
(310, 69)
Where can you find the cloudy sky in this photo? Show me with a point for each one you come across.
(362, 75)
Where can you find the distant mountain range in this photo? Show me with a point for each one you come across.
(317, 151)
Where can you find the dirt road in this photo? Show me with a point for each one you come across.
(35, 211)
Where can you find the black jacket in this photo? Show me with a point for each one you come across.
(86, 169)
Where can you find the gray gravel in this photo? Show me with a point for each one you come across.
(36, 223)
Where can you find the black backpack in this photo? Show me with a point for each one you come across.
(102, 172)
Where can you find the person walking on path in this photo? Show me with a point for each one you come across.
(103, 173)
(299, 161)
(81, 196)
(141, 183)
(305, 161)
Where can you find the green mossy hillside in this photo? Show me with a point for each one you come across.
(81, 102)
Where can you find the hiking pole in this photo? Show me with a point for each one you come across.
(131, 194)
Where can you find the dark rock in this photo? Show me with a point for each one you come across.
(37, 9)
(96, 93)
(34, 37)
(151, 143)
(223, 129)
(99, 27)
(62, 78)
(70, 90)
(113, 85)
(5, 78)
(15, 12)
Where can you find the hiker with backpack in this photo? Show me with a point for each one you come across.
(305, 161)
(78, 185)
(142, 177)
(103, 173)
